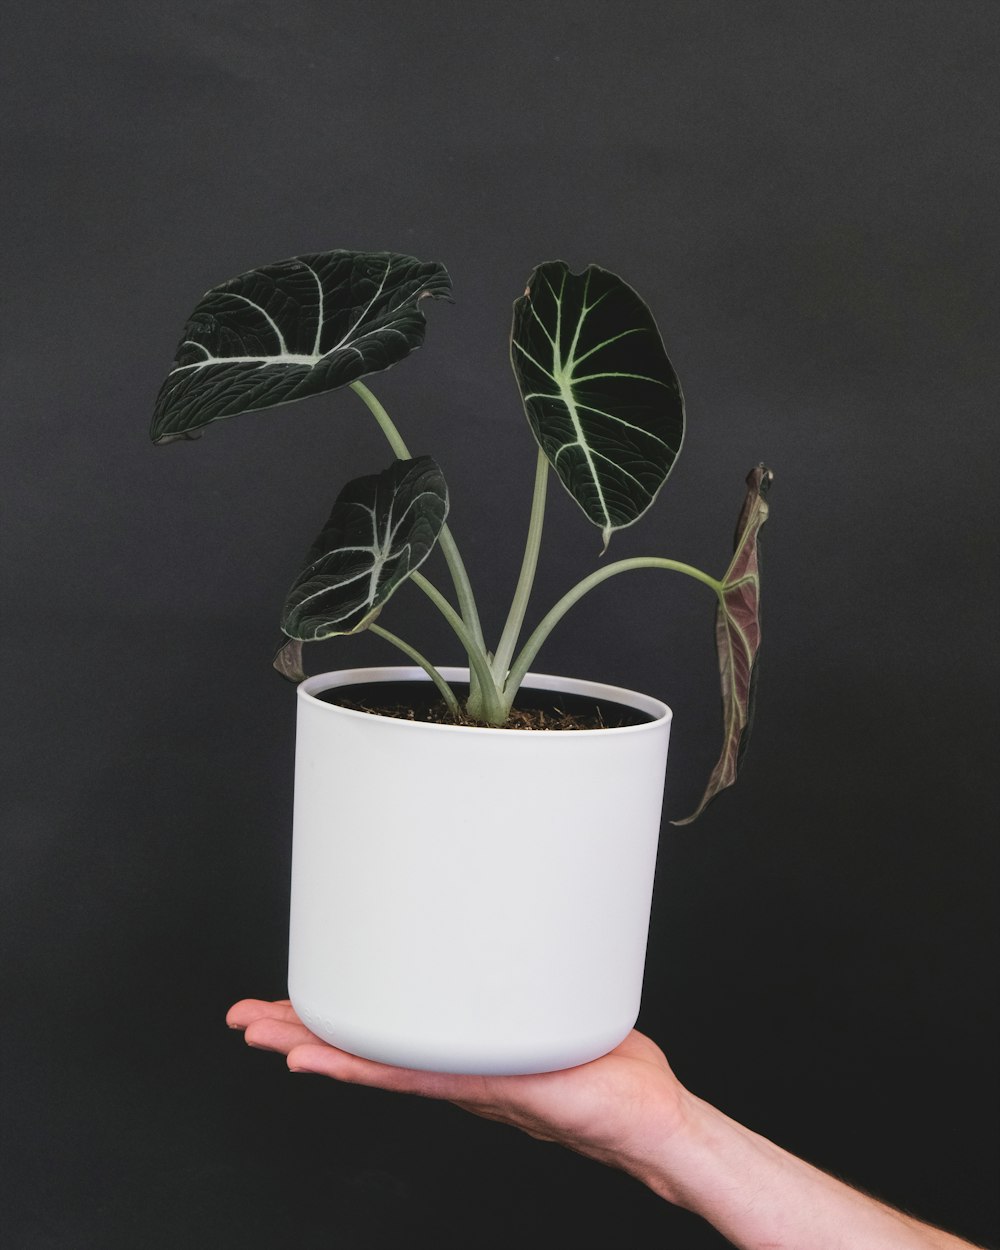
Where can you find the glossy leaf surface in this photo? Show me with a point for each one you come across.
(599, 392)
(293, 329)
(380, 530)
(737, 636)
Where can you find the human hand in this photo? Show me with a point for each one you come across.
(628, 1110)
(618, 1109)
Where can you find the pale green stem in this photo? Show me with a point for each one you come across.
(393, 436)
(463, 587)
(444, 689)
(552, 618)
(493, 709)
(522, 593)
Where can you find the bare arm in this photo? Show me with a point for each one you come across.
(759, 1195)
(629, 1111)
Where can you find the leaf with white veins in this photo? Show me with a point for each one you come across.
(599, 392)
(302, 326)
(737, 636)
(380, 530)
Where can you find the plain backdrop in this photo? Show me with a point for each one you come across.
(805, 194)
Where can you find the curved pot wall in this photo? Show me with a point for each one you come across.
(472, 900)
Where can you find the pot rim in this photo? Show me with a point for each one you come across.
(312, 686)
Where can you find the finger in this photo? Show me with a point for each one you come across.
(326, 1060)
(247, 1010)
(278, 1035)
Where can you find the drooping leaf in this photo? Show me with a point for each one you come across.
(599, 392)
(737, 637)
(296, 328)
(380, 530)
(288, 660)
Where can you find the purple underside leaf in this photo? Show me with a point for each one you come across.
(737, 637)
(288, 660)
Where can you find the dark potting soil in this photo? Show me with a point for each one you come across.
(533, 709)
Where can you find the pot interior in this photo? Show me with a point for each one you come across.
(421, 696)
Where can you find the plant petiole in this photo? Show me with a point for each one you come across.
(449, 549)
(515, 619)
(444, 689)
(487, 703)
(555, 614)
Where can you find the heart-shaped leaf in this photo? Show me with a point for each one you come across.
(293, 329)
(381, 529)
(599, 392)
(737, 636)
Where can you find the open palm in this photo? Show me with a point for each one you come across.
(599, 1109)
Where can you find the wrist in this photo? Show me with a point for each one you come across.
(663, 1154)
(758, 1195)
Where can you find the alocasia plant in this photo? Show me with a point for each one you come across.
(602, 401)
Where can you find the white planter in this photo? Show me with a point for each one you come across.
(472, 900)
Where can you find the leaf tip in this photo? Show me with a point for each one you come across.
(689, 820)
(288, 661)
(161, 439)
(429, 293)
(760, 478)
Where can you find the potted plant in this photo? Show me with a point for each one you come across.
(472, 867)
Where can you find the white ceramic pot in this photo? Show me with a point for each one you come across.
(466, 899)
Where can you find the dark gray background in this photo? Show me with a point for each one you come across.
(804, 195)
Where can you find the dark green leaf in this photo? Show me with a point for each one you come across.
(737, 636)
(601, 397)
(381, 529)
(293, 329)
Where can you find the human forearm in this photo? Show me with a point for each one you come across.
(628, 1110)
(759, 1195)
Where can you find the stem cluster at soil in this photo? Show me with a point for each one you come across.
(495, 679)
